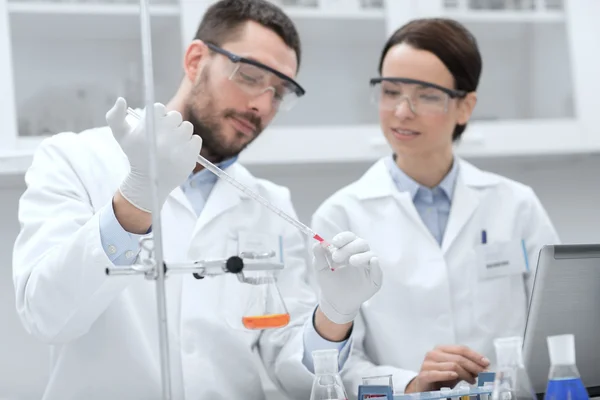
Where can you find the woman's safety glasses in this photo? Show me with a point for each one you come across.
(255, 78)
(423, 98)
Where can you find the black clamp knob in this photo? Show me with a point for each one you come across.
(234, 264)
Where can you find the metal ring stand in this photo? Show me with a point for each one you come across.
(147, 266)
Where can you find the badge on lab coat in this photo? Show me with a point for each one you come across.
(498, 259)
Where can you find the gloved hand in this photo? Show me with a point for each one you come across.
(345, 289)
(177, 150)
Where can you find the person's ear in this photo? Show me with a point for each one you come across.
(193, 59)
(466, 106)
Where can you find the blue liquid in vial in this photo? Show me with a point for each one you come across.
(566, 389)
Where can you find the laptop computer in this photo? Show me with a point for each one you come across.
(565, 299)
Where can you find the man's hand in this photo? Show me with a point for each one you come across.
(445, 366)
(344, 290)
(177, 150)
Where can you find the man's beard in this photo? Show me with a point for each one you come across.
(200, 111)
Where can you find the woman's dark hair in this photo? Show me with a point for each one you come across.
(451, 42)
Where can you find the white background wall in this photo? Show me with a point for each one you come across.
(568, 187)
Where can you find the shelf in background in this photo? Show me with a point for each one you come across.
(314, 144)
(297, 12)
(505, 10)
(359, 143)
(86, 20)
(365, 143)
(106, 9)
(513, 138)
(525, 138)
(14, 163)
(506, 16)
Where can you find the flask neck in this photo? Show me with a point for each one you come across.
(323, 371)
(509, 354)
(564, 372)
(326, 362)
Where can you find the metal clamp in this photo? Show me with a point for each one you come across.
(146, 266)
(251, 255)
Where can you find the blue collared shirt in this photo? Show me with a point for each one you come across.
(433, 205)
(198, 186)
(122, 248)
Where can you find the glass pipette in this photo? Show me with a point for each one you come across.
(223, 175)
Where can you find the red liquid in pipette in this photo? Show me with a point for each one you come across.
(323, 242)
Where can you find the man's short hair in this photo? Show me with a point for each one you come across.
(225, 19)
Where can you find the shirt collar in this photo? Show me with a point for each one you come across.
(405, 183)
(205, 176)
(449, 182)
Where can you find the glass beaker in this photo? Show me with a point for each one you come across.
(511, 381)
(327, 384)
(251, 299)
(564, 381)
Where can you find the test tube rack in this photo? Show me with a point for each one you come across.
(481, 392)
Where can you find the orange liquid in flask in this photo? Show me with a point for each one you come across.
(266, 321)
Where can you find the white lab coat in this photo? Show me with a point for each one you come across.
(431, 295)
(103, 330)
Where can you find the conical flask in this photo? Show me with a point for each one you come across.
(251, 300)
(564, 381)
(265, 308)
(512, 381)
(327, 384)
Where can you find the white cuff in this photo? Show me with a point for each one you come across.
(313, 341)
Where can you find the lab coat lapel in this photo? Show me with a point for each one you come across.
(223, 197)
(377, 183)
(407, 206)
(464, 204)
(466, 200)
(182, 200)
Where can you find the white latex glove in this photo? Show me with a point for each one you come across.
(345, 289)
(177, 150)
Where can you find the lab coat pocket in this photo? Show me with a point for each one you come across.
(500, 259)
(500, 267)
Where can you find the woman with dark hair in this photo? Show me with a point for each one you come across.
(458, 246)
